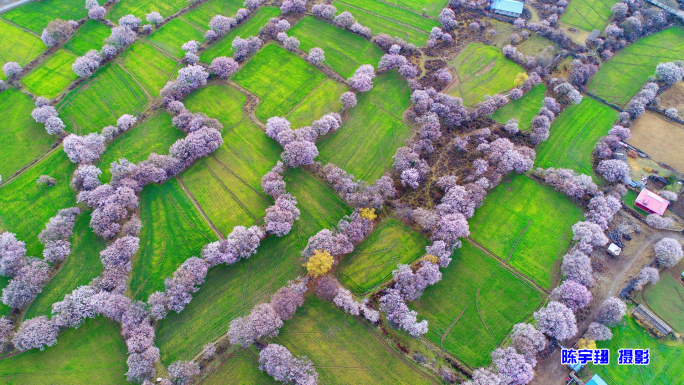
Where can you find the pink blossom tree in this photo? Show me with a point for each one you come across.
(556, 320)
(668, 252)
(611, 311)
(34, 333)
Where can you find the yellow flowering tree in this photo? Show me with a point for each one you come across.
(319, 263)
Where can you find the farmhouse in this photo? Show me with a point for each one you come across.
(507, 7)
(651, 321)
(651, 202)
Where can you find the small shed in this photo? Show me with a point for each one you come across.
(596, 380)
(575, 367)
(507, 7)
(651, 202)
(614, 249)
(651, 321)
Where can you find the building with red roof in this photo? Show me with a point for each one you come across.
(651, 202)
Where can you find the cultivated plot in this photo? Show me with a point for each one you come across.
(430, 7)
(150, 68)
(18, 46)
(52, 76)
(201, 15)
(523, 109)
(587, 14)
(528, 225)
(172, 35)
(532, 45)
(475, 305)
(666, 298)
(660, 138)
(36, 15)
(324, 99)
(673, 97)
(219, 101)
(241, 368)
(89, 36)
(140, 8)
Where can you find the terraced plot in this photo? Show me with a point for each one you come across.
(324, 99)
(344, 51)
(475, 305)
(523, 109)
(587, 14)
(36, 15)
(150, 68)
(52, 76)
(18, 46)
(172, 35)
(90, 35)
(279, 78)
(241, 368)
(528, 225)
(201, 15)
(365, 144)
(373, 261)
(232, 291)
(142, 7)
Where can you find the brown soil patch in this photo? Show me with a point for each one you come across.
(674, 98)
(659, 138)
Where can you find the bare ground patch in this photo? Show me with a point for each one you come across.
(659, 138)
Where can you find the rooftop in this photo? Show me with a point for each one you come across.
(651, 202)
(596, 380)
(508, 6)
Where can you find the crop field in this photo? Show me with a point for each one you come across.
(150, 68)
(523, 109)
(587, 14)
(241, 368)
(22, 139)
(345, 349)
(172, 35)
(527, 225)
(324, 99)
(574, 134)
(93, 354)
(37, 204)
(52, 76)
(18, 46)
(666, 298)
(110, 93)
(142, 7)
(201, 15)
(156, 134)
(279, 78)
(433, 7)
(373, 261)
(344, 51)
(622, 77)
(232, 291)
(482, 70)
(219, 101)
(4, 309)
(660, 138)
(79, 268)
(673, 97)
(475, 305)
(173, 231)
(36, 15)
(365, 144)
(90, 35)
(532, 46)
(251, 27)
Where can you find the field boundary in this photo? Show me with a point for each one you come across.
(199, 208)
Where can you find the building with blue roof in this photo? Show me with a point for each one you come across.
(596, 380)
(507, 7)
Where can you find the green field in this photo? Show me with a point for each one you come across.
(666, 298)
(22, 139)
(18, 46)
(150, 68)
(172, 35)
(36, 15)
(574, 134)
(156, 134)
(173, 231)
(250, 27)
(201, 15)
(344, 51)
(279, 78)
(622, 77)
(365, 144)
(324, 99)
(475, 305)
(433, 7)
(79, 268)
(142, 7)
(373, 261)
(93, 354)
(90, 35)
(482, 70)
(110, 93)
(52, 76)
(232, 291)
(587, 14)
(523, 109)
(527, 225)
(25, 207)
(241, 368)
(219, 101)
(4, 309)
(345, 349)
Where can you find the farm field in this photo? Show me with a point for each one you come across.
(22, 139)
(665, 298)
(481, 70)
(232, 291)
(344, 50)
(4, 309)
(475, 305)
(532, 46)
(201, 15)
(93, 354)
(378, 115)
(523, 109)
(89, 36)
(36, 15)
(140, 8)
(620, 78)
(18, 46)
(587, 14)
(279, 78)
(345, 349)
(52, 76)
(673, 97)
(433, 7)
(528, 225)
(373, 261)
(574, 134)
(324, 99)
(660, 138)
(219, 101)
(173, 231)
(148, 67)
(172, 35)
(241, 368)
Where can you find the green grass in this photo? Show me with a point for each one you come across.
(587, 14)
(523, 109)
(666, 299)
(93, 354)
(219, 101)
(667, 357)
(251, 27)
(475, 305)
(574, 134)
(232, 291)
(433, 7)
(36, 15)
(4, 309)
(201, 15)
(346, 350)
(91, 35)
(279, 78)
(142, 7)
(373, 261)
(322, 100)
(172, 35)
(52, 76)
(149, 67)
(629, 200)
(241, 368)
(344, 51)
(22, 139)
(622, 77)
(528, 225)
(25, 207)
(156, 134)
(173, 231)
(18, 46)
(482, 70)
(365, 144)
(109, 94)
(79, 268)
